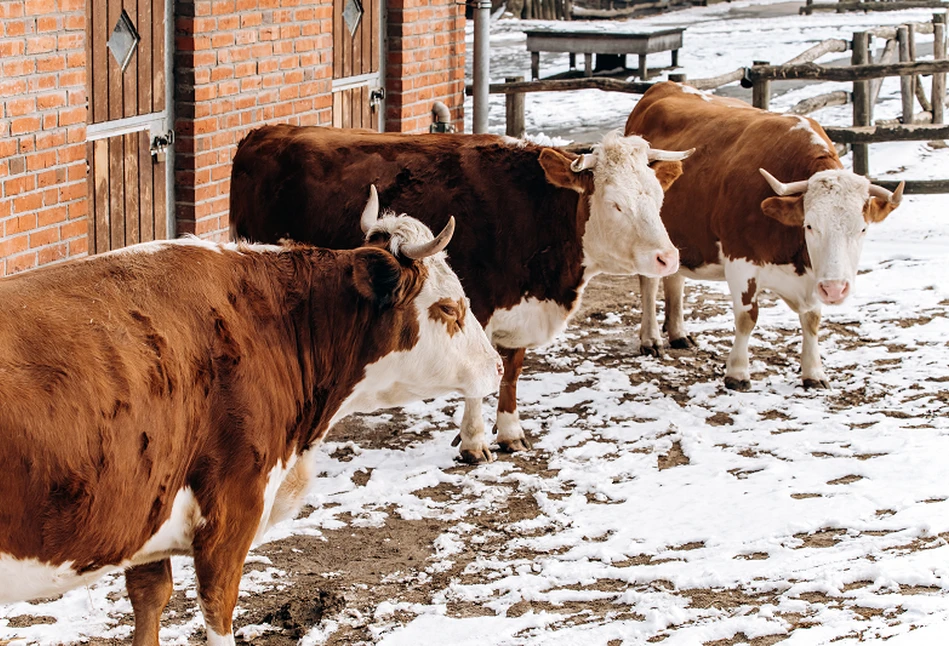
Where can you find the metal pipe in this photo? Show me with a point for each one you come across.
(482, 17)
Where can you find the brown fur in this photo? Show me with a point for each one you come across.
(517, 235)
(128, 376)
(721, 196)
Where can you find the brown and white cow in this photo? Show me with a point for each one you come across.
(167, 399)
(535, 224)
(733, 221)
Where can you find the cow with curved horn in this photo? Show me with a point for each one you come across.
(534, 224)
(169, 398)
(801, 240)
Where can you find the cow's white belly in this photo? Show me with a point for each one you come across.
(283, 496)
(26, 579)
(530, 323)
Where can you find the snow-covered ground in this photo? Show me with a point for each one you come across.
(659, 506)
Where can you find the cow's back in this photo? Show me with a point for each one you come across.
(718, 198)
(115, 381)
(311, 184)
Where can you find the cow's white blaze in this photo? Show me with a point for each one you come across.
(463, 362)
(805, 125)
(624, 234)
(835, 228)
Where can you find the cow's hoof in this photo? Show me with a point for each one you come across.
(650, 349)
(816, 383)
(513, 446)
(683, 343)
(476, 457)
(737, 384)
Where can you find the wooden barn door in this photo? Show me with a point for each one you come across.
(358, 88)
(130, 131)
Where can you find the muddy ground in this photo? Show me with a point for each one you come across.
(341, 577)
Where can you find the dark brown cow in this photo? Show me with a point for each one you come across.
(167, 398)
(534, 223)
(724, 217)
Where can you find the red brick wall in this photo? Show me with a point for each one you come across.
(42, 132)
(240, 64)
(425, 63)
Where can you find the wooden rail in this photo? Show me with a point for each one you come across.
(814, 72)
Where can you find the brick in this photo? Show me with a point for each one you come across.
(39, 7)
(40, 44)
(19, 224)
(24, 124)
(20, 263)
(80, 246)
(50, 216)
(74, 229)
(52, 253)
(28, 202)
(44, 237)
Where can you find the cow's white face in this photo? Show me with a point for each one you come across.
(452, 353)
(624, 233)
(835, 210)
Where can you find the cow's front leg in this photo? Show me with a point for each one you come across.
(511, 436)
(149, 587)
(220, 548)
(674, 288)
(743, 284)
(474, 444)
(812, 370)
(650, 338)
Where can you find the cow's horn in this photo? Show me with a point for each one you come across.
(371, 213)
(425, 249)
(793, 188)
(655, 154)
(893, 198)
(582, 163)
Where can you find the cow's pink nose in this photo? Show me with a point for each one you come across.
(667, 262)
(833, 291)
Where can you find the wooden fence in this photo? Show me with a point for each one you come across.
(865, 75)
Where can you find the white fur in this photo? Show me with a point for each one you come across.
(528, 324)
(509, 427)
(219, 640)
(275, 481)
(624, 233)
(805, 125)
(833, 208)
(32, 579)
(688, 89)
(175, 534)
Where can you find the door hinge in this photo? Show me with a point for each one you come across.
(376, 97)
(160, 144)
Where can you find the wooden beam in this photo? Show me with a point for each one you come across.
(595, 83)
(894, 5)
(878, 134)
(713, 82)
(806, 106)
(843, 74)
(818, 50)
(861, 101)
(916, 186)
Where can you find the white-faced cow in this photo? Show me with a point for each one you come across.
(167, 399)
(733, 221)
(534, 223)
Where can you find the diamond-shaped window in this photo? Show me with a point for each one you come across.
(352, 14)
(123, 41)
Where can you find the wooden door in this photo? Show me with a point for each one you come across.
(130, 122)
(358, 88)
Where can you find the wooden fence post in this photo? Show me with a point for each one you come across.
(761, 90)
(861, 101)
(906, 82)
(514, 109)
(939, 80)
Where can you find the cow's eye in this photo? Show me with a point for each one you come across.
(449, 310)
(808, 227)
(617, 207)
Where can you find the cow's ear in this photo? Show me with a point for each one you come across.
(876, 210)
(556, 167)
(786, 210)
(376, 275)
(667, 172)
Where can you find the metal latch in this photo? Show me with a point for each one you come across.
(376, 97)
(160, 144)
